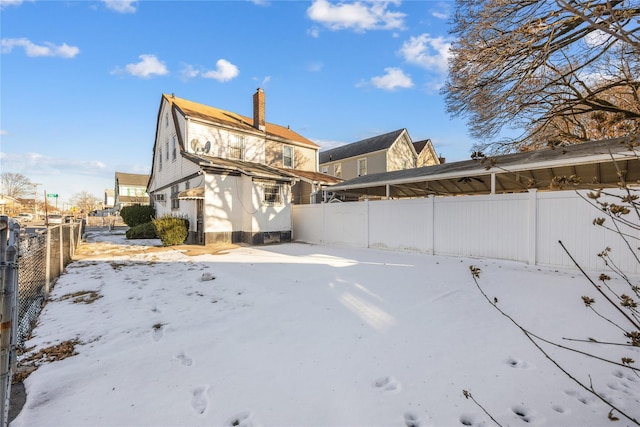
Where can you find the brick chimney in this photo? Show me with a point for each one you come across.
(258, 110)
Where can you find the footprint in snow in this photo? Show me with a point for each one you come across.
(580, 396)
(386, 385)
(184, 359)
(199, 399)
(243, 419)
(411, 419)
(517, 363)
(523, 413)
(158, 332)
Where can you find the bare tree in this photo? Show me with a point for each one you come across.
(564, 71)
(16, 185)
(85, 202)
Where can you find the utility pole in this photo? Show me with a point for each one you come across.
(35, 200)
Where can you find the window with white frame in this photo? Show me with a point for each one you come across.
(160, 159)
(236, 147)
(362, 167)
(337, 170)
(175, 148)
(325, 170)
(272, 194)
(287, 156)
(166, 119)
(175, 202)
(166, 145)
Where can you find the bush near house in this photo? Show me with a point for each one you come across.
(172, 230)
(137, 214)
(142, 231)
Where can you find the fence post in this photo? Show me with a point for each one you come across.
(533, 226)
(324, 225)
(61, 247)
(48, 264)
(8, 322)
(431, 224)
(367, 213)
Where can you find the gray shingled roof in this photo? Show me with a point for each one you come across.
(132, 179)
(369, 145)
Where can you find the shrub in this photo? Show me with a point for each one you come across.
(142, 231)
(172, 230)
(137, 214)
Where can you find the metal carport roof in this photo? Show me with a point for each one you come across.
(593, 162)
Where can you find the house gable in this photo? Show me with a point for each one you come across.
(427, 155)
(382, 153)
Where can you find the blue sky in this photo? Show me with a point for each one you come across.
(81, 81)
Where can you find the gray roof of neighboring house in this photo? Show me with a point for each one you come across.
(514, 172)
(132, 179)
(369, 145)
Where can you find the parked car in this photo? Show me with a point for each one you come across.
(54, 219)
(25, 216)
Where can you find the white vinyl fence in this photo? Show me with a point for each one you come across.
(523, 227)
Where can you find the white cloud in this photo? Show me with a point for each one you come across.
(597, 38)
(261, 2)
(441, 12)
(6, 3)
(315, 67)
(34, 50)
(121, 6)
(36, 163)
(3, 132)
(428, 52)
(148, 66)
(394, 79)
(359, 16)
(328, 144)
(314, 32)
(189, 72)
(224, 71)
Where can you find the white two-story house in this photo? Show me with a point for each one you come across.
(230, 175)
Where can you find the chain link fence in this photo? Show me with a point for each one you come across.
(42, 258)
(38, 258)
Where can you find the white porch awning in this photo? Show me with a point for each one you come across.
(196, 193)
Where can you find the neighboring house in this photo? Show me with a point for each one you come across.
(383, 153)
(595, 164)
(9, 205)
(130, 189)
(110, 198)
(230, 175)
(426, 154)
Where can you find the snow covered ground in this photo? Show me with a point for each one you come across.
(306, 335)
